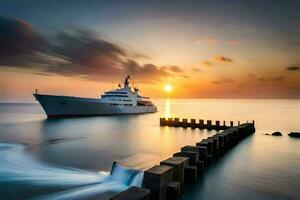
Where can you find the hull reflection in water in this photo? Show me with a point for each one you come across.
(23, 177)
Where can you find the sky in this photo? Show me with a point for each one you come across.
(204, 49)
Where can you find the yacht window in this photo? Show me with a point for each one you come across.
(103, 96)
(115, 92)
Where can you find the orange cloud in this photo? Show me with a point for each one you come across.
(195, 69)
(223, 59)
(222, 81)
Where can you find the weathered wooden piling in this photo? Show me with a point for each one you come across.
(190, 171)
(218, 125)
(200, 163)
(170, 122)
(193, 123)
(166, 181)
(178, 164)
(209, 125)
(209, 147)
(162, 121)
(221, 143)
(184, 123)
(176, 122)
(133, 193)
(156, 180)
(216, 146)
(201, 124)
(173, 190)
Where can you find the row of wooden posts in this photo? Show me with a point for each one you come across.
(165, 181)
(193, 123)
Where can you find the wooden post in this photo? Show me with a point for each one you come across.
(133, 193)
(178, 164)
(208, 124)
(217, 125)
(202, 155)
(176, 122)
(156, 180)
(201, 123)
(190, 171)
(221, 144)
(231, 123)
(167, 122)
(184, 123)
(170, 122)
(193, 123)
(162, 121)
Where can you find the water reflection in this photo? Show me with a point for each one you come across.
(167, 111)
(94, 143)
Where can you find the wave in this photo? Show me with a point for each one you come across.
(24, 177)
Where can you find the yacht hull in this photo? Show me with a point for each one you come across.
(67, 106)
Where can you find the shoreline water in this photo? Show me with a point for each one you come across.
(140, 142)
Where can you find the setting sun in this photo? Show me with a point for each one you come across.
(168, 88)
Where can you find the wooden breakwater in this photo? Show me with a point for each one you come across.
(165, 181)
(193, 123)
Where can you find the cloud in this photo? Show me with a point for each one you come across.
(222, 81)
(207, 63)
(293, 68)
(195, 69)
(173, 68)
(222, 59)
(216, 60)
(73, 53)
(18, 41)
(275, 78)
(209, 41)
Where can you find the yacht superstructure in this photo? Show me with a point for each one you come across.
(123, 100)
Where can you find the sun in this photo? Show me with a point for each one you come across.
(168, 88)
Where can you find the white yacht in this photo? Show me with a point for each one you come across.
(113, 102)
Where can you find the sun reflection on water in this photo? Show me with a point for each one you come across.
(167, 112)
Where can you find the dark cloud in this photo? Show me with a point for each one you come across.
(293, 68)
(222, 81)
(223, 59)
(275, 78)
(146, 72)
(76, 52)
(174, 68)
(18, 41)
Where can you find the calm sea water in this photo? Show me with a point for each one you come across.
(36, 153)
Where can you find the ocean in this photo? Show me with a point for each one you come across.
(71, 158)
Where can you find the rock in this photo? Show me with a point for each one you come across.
(294, 134)
(276, 133)
(266, 134)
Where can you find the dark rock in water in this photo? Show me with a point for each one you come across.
(266, 134)
(276, 133)
(294, 134)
